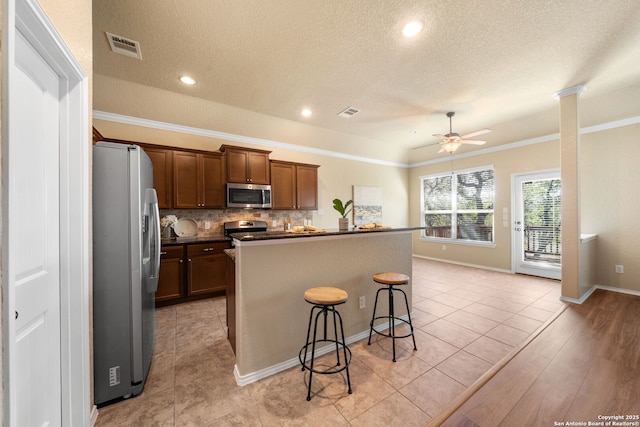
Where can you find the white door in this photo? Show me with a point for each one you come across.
(33, 228)
(536, 243)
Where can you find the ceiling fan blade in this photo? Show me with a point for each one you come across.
(439, 135)
(427, 145)
(476, 133)
(442, 150)
(472, 142)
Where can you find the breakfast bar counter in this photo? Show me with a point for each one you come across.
(272, 272)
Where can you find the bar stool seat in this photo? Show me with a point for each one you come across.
(390, 280)
(324, 300)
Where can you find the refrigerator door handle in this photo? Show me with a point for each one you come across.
(154, 239)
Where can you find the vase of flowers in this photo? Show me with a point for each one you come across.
(343, 223)
(167, 223)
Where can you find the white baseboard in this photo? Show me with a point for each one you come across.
(94, 415)
(243, 380)
(587, 294)
(482, 267)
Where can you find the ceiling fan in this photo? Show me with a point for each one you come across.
(451, 141)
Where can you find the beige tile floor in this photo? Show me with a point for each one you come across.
(465, 321)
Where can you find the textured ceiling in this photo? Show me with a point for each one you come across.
(494, 63)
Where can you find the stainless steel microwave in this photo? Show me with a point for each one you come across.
(248, 196)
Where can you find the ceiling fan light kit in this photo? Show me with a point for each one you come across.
(452, 141)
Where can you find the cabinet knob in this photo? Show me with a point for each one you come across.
(181, 261)
(163, 253)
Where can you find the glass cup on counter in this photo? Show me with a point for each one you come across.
(287, 224)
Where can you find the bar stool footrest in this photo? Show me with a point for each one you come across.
(388, 334)
(331, 370)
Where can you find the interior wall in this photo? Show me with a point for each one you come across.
(609, 202)
(527, 158)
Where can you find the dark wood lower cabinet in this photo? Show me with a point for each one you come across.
(171, 281)
(191, 271)
(206, 267)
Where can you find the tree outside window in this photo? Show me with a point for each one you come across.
(459, 205)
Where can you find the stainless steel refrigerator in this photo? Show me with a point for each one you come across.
(126, 264)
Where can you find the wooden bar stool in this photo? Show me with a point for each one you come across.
(391, 280)
(324, 300)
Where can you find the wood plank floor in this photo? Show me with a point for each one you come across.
(585, 365)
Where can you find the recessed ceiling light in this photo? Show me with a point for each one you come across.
(412, 29)
(306, 112)
(187, 80)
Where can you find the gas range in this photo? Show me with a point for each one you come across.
(244, 226)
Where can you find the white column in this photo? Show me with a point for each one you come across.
(569, 174)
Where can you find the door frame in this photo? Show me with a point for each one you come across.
(28, 17)
(515, 247)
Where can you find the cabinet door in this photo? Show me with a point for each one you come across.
(237, 166)
(258, 167)
(283, 185)
(307, 187)
(162, 161)
(171, 280)
(212, 180)
(206, 274)
(185, 180)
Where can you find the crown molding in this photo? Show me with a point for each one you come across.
(573, 90)
(136, 121)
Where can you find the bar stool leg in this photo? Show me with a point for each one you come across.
(335, 334)
(406, 303)
(375, 306)
(306, 344)
(344, 350)
(313, 350)
(392, 324)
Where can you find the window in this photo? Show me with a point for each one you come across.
(458, 205)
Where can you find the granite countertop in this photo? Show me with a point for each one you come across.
(197, 239)
(231, 253)
(273, 235)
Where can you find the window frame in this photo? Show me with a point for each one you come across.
(454, 211)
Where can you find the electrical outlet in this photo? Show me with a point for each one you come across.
(207, 225)
(619, 268)
(444, 247)
(362, 302)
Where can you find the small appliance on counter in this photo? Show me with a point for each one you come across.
(244, 226)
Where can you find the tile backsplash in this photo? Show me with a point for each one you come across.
(217, 218)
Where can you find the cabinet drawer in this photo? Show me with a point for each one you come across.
(207, 248)
(171, 252)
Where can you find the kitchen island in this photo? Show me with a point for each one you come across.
(272, 271)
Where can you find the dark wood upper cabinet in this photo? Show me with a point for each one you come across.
(185, 180)
(213, 180)
(198, 180)
(246, 165)
(307, 186)
(294, 185)
(162, 174)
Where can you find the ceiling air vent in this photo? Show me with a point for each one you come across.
(124, 46)
(349, 112)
